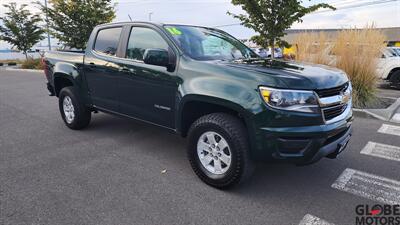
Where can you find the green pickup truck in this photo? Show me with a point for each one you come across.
(202, 83)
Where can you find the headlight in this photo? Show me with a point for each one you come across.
(347, 94)
(292, 100)
(349, 90)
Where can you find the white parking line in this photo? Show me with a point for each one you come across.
(382, 151)
(389, 129)
(313, 220)
(369, 186)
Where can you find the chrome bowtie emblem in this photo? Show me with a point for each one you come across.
(345, 97)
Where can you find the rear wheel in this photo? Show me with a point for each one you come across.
(73, 111)
(218, 150)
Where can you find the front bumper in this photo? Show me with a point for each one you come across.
(303, 144)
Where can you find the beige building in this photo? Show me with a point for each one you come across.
(392, 34)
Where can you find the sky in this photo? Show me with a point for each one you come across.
(349, 13)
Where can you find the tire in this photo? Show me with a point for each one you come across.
(81, 115)
(231, 130)
(395, 78)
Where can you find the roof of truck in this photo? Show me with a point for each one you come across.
(152, 23)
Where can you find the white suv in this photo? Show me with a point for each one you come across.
(389, 65)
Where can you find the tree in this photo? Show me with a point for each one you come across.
(20, 28)
(262, 41)
(72, 21)
(270, 18)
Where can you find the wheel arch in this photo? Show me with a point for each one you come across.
(65, 74)
(392, 71)
(194, 106)
(60, 81)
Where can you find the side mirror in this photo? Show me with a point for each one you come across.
(159, 57)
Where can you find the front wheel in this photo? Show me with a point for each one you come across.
(218, 150)
(73, 111)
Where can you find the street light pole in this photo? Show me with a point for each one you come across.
(47, 26)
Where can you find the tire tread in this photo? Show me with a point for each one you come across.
(233, 126)
(82, 113)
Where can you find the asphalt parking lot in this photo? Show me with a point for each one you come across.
(111, 173)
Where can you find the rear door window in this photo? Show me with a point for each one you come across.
(107, 41)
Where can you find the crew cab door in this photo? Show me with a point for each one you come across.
(147, 92)
(101, 68)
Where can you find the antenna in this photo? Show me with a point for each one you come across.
(130, 17)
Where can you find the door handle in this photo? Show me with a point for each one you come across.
(92, 65)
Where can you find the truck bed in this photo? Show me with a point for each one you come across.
(65, 56)
(76, 58)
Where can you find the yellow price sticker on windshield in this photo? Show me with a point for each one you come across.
(174, 31)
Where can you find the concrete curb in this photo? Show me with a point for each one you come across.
(396, 117)
(366, 114)
(390, 114)
(23, 70)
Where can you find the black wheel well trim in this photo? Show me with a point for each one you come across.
(392, 71)
(65, 78)
(183, 128)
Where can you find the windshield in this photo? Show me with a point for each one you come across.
(396, 50)
(208, 44)
(391, 52)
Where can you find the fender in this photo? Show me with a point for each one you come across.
(73, 73)
(66, 70)
(390, 69)
(208, 99)
(246, 114)
(216, 86)
(69, 71)
(387, 68)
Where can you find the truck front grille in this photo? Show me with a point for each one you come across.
(333, 111)
(331, 101)
(332, 91)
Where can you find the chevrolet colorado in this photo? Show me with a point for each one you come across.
(202, 83)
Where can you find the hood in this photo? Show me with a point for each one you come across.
(292, 74)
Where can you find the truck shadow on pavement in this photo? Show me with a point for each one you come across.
(161, 143)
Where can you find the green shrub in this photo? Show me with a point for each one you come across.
(32, 64)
